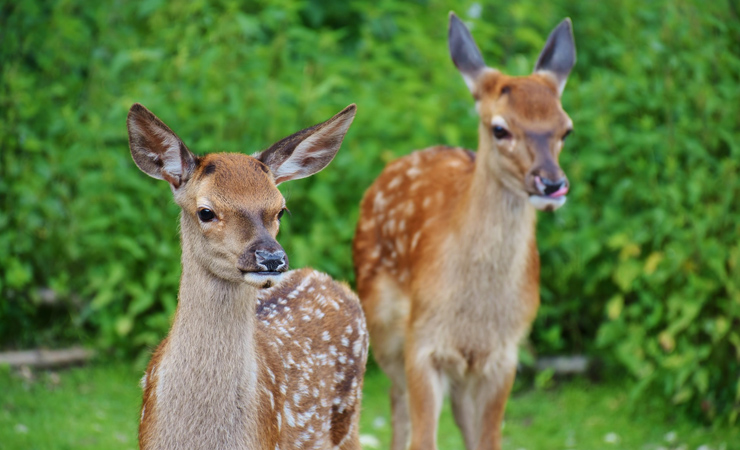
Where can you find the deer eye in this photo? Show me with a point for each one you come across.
(500, 132)
(567, 133)
(280, 214)
(206, 215)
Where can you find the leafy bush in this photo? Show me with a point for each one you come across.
(641, 267)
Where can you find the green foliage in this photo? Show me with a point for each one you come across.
(640, 267)
(646, 256)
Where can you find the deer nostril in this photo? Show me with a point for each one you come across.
(270, 261)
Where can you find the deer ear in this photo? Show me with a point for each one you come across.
(156, 149)
(464, 52)
(307, 151)
(559, 55)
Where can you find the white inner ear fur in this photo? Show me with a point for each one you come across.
(469, 81)
(295, 166)
(171, 157)
(560, 82)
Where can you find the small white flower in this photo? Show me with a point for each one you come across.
(704, 447)
(570, 441)
(475, 10)
(670, 437)
(379, 422)
(20, 428)
(369, 441)
(611, 438)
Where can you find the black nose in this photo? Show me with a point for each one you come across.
(270, 261)
(552, 187)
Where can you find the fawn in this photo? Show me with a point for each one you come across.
(257, 357)
(445, 253)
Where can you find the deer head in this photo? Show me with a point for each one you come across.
(522, 123)
(231, 207)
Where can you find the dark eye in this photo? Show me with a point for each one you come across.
(500, 132)
(206, 215)
(567, 133)
(280, 214)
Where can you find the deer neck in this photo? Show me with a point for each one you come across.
(214, 311)
(496, 220)
(208, 374)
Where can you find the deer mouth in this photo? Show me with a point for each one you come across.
(263, 279)
(547, 202)
(549, 196)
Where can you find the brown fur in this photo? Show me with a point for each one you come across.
(447, 264)
(246, 365)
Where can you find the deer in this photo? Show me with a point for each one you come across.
(257, 357)
(445, 254)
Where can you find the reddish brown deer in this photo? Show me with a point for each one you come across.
(257, 357)
(445, 253)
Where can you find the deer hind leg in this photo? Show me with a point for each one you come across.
(400, 418)
(425, 393)
(491, 400)
(387, 308)
(467, 418)
(393, 367)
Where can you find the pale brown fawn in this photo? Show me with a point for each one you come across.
(257, 357)
(445, 253)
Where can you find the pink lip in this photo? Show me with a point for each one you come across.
(560, 192)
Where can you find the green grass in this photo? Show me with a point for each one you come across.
(97, 407)
(83, 408)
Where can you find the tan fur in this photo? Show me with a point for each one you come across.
(447, 264)
(246, 366)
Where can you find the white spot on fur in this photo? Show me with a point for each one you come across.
(389, 226)
(357, 348)
(272, 398)
(395, 183)
(379, 201)
(415, 239)
(289, 419)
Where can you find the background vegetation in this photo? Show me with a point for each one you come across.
(640, 268)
